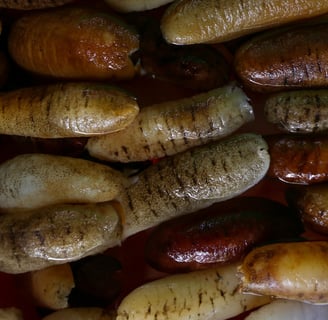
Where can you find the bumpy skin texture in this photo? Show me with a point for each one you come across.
(301, 111)
(56, 234)
(66, 110)
(283, 59)
(32, 4)
(299, 159)
(210, 294)
(171, 127)
(213, 21)
(311, 202)
(50, 287)
(35, 180)
(193, 180)
(198, 67)
(295, 270)
(222, 234)
(74, 43)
